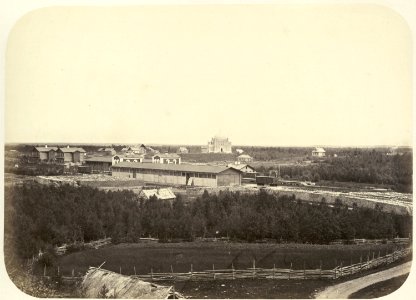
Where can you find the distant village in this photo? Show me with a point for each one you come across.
(158, 170)
(149, 165)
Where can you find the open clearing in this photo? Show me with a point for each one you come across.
(146, 256)
(203, 255)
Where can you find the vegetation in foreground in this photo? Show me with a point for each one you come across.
(160, 257)
(38, 217)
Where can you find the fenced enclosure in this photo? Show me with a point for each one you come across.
(277, 273)
(365, 263)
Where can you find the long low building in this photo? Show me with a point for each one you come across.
(179, 174)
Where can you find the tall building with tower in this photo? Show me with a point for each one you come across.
(217, 145)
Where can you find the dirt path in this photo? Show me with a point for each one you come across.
(343, 290)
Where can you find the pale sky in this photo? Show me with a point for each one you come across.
(259, 74)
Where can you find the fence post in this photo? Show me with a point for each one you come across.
(304, 271)
(254, 268)
(350, 265)
(134, 270)
(274, 267)
(191, 271)
(368, 262)
(340, 269)
(361, 262)
(44, 270)
(290, 270)
(73, 272)
(232, 265)
(120, 269)
(320, 269)
(171, 271)
(213, 269)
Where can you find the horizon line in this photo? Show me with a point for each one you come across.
(235, 145)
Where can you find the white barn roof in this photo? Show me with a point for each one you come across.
(162, 194)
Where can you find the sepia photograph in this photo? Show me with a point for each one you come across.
(208, 149)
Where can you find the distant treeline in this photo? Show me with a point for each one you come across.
(373, 167)
(39, 216)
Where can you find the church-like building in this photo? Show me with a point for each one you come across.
(217, 145)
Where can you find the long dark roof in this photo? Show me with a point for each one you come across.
(174, 167)
(71, 149)
(100, 159)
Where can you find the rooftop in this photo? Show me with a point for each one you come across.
(167, 155)
(100, 159)
(240, 166)
(174, 167)
(163, 194)
(46, 149)
(71, 149)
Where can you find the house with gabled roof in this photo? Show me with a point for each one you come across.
(42, 154)
(70, 155)
(166, 158)
(318, 152)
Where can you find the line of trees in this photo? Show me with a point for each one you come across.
(40, 216)
(373, 167)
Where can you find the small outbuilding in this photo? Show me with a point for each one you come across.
(318, 152)
(99, 164)
(166, 158)
(161, 194)
(183, 150)
(244, 158)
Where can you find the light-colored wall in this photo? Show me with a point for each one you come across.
(43, 155)
(68, 157)
(229, 177)
(163, 178)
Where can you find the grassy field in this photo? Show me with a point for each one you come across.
(160, 257)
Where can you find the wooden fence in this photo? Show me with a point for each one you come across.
(261, 273)
(93, 245)
(277, 273)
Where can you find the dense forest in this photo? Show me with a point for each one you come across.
(39, 217)
(373, 167)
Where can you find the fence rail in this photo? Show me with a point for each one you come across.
(365, 263)
(278, 273)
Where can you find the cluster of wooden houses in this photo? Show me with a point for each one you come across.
(146, 164)
(65, 155)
